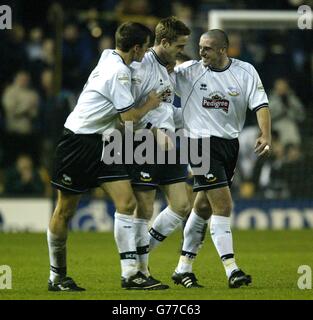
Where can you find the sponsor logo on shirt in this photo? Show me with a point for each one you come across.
(136, 80)
(167, 91)
(123, 78)
(260, 87)
(203, 86)
(216, 100)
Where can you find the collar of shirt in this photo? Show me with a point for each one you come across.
(221, 70)
(158, 58)
(115, 53)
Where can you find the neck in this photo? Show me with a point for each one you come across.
(222, 63)
(160, 53)
(127, 56)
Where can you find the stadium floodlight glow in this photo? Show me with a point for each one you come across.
(253, 19)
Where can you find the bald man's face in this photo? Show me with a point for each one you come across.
(210, 54)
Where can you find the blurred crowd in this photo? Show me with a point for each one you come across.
(33, 107)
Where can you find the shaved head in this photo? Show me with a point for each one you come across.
(213, 47)
(219, 36)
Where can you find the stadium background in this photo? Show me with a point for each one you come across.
(45, 60)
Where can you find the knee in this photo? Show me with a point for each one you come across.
(144, 210)
(223, 208)
(127, 206)
(203, 209)
(64, 211)
(66, 206)
(182, 208)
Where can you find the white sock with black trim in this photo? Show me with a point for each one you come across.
(57, 256)
(164, 224)
(223, 241)
(142, 244)
(194, 234)
(124, 235)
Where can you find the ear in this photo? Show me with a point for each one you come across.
(165, 43)
(136, 48)
(223, 51)
(131, 51)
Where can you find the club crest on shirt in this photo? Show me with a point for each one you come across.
(233, 91)
(210, 178)
(216, 100)
(66, 179)
(144, 176)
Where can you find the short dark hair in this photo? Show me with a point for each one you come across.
(129, 34)
(170, 29)
(220, 36)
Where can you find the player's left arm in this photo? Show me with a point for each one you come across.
(258, 102)
(263, 143)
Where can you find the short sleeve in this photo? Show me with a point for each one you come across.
(180, 75)
(256, 95)
(120, 91)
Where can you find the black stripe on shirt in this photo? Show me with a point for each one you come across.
(223, 69)
(157, 58)
(125, 109)
(263, 105)
(115, 53)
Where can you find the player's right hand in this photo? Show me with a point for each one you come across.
(170, 68)
(262, 146)
(154, 99)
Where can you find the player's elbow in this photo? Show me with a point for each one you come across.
(130, 119)
(130, 116)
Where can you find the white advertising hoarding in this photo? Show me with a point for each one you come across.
(30, 215)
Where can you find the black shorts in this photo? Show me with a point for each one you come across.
(150, 176)
(77, 165)
(222, 156)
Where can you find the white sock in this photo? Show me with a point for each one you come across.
(223, 241)
(124, 235)
(194, 234)
(57, 256)
(142, 245)
(164, 224)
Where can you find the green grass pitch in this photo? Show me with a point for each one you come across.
(271, 257)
